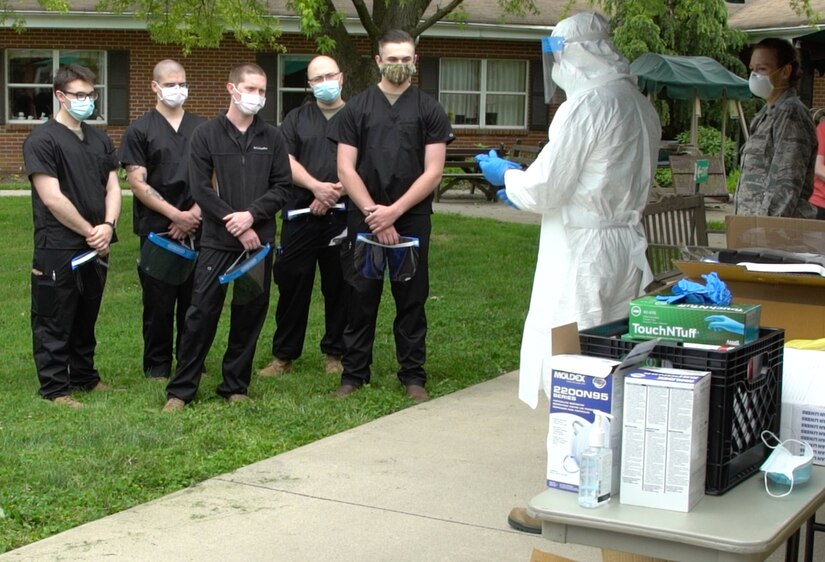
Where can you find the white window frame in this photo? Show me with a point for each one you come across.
(100, 86)
(482, 103)
(282, 60)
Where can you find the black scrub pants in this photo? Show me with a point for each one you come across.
(164, 307)
(410, 324)
(65, 306)
(201, 324)
(305, 242)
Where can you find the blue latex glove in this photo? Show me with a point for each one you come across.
(722, 322)
(691, 292)
(716, 290)
(502, 196)
(494, 167)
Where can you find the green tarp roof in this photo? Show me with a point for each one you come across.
(682, 78)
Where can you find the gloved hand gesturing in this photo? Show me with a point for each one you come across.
(722, 322)
(502, 196)
(493, 167)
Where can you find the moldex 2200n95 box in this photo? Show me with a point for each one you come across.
(580, 386)
(735, 324)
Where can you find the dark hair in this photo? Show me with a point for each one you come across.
(395, 36)
(784, 52)
(70, 73)
(239, 71)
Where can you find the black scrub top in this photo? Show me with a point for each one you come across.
(153, 143)
(391, 140)
(305, 129)
(82, 169)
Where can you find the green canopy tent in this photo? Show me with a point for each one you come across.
(691, 78)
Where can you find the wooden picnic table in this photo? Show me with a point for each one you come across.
(462, 159)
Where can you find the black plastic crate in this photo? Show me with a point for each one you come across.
(745, 395)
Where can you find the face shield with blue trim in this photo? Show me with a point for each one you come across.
(248, 276)
(551, 50)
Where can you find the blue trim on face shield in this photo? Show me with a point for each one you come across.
(552, 44)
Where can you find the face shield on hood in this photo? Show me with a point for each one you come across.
(580, 54)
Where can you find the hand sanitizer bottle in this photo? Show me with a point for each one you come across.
(596, 466)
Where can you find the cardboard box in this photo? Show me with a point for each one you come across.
(579, 385)
(665, 438)
(803, 399)
(795, 302)
(688, 323)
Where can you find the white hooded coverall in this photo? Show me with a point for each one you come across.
(590, 182)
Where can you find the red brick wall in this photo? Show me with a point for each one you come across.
(207, 71)
(818, 98)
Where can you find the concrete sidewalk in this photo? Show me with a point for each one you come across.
(429, 483)
(432, 482)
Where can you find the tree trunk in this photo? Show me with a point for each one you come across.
(359, 68)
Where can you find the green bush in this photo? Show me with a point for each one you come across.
(664, 177)
(710, 141)
(733, 180)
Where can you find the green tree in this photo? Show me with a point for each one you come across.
(205, 23)
(682, 27)
(322, 22)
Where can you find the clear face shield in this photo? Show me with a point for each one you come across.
(89, 271)
(551, 50)
(372, 257)
(247, 275)
(167, 260)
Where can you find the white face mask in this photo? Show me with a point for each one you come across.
(785, 468)
(760, 85)
(249, 104)
(173, 97)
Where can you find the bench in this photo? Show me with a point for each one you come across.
(682, 169)
(462, 158)
(522, 153)
(673, 224)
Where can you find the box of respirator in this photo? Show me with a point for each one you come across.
(580, 387)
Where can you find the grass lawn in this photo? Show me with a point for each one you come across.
(60, 468)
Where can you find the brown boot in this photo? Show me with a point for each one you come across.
(276, 368)
(344, 390)
(522, 521)
(68, 402)
(237, 398)
(332, 365)
(417, 393)
(174, 405)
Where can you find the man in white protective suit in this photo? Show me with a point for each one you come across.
(590, 183)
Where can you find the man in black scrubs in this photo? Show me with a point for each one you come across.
(76, 203)
(308, 237)
(392, 141)
(153, 151)
(240, 177)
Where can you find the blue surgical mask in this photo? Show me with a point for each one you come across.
(327, 91)
(81, 109)
(785, 467)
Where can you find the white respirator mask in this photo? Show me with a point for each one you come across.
(174, 97)
(249, 104)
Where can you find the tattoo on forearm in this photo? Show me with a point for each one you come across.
(150, 191)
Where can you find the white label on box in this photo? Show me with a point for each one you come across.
(803, 399)
(664, 438)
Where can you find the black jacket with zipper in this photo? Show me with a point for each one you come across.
(231, 172)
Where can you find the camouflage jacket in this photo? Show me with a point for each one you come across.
(778, 161)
